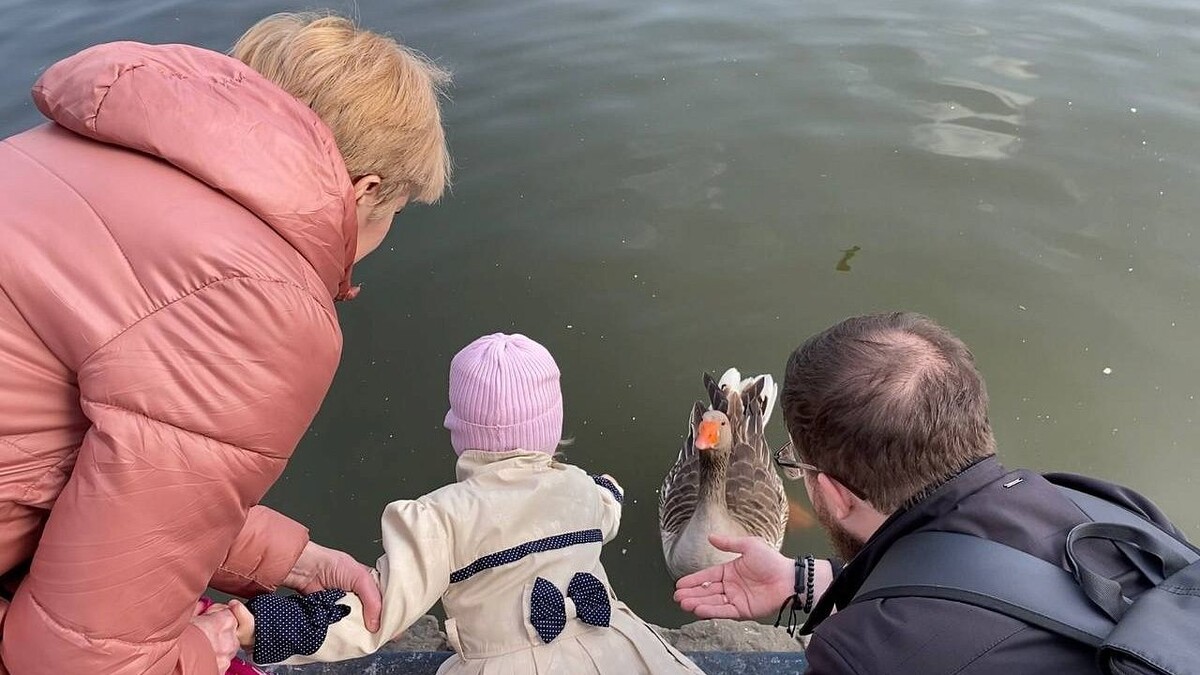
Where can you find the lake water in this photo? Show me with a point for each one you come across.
(655, 188)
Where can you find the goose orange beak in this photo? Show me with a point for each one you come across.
(708, 435)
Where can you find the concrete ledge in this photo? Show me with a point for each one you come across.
(426, 663)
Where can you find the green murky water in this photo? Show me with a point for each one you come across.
(657, 188)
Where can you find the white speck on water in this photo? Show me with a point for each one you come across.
(1023, 308)
(1114, 430)
(635, 276)
(1133, 110)
(633, 419)
(624, 551)
(1070, 103)
(1107, 370)
(570, 326)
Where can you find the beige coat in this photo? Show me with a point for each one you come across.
(501, 502)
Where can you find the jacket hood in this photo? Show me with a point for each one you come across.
(220, 121)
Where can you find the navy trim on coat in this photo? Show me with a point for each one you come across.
(511, 555)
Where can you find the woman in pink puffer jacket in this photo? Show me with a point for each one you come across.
(171, 246)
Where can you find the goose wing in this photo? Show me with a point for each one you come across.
(681, 488)
(753, 489)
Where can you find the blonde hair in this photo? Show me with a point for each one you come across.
(378, 97)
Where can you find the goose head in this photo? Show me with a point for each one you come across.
(714, 433)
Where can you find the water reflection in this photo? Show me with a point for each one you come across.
(682, 184)
(1017, 69)
(977, 121)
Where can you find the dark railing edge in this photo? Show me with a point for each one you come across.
(426, 663)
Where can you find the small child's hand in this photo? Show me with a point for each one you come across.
(245, 624)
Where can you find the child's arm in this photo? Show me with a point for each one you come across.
(412, 574)
(611, 498)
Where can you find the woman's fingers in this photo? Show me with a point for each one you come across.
(368, 593)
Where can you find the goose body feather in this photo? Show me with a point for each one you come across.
(741, 495)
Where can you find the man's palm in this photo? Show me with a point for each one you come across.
(750, 586)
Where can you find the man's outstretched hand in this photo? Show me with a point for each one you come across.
(751, 586)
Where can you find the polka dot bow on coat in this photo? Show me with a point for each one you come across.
(286, 625)
(548, 607)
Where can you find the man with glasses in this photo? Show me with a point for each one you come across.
(888, 426)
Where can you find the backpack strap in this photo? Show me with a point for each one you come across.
(976, 571)
(1101, 510)
(1105, 592)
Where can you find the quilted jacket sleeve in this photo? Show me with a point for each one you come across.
(262, 555)
(195, 410)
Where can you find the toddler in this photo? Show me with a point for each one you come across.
(512, 549)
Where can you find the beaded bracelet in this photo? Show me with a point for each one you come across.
(810, 565)
(803, 585)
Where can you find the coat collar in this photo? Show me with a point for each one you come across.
(474, 463)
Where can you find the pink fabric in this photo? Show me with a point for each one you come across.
(504, 395)
(170, 248)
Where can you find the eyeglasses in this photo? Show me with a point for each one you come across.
(795, 469)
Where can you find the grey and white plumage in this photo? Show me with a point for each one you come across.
(734, 492)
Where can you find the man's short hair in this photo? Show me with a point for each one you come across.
(889, 404)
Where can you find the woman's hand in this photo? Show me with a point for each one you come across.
(320, 568)
(751, 586)
(245, 624)
(220, 627)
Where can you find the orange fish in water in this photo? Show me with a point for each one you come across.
(799, 517)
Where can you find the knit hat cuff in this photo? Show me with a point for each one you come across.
(539, 434)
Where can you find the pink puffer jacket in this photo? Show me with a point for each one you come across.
(170, 249)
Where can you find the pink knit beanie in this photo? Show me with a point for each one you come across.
(504, 395)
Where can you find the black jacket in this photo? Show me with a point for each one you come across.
(925, 636)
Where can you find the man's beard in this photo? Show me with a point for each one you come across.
(846, 545)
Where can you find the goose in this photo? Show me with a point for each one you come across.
(724, 481)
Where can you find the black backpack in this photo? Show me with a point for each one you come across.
(1156, 634)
